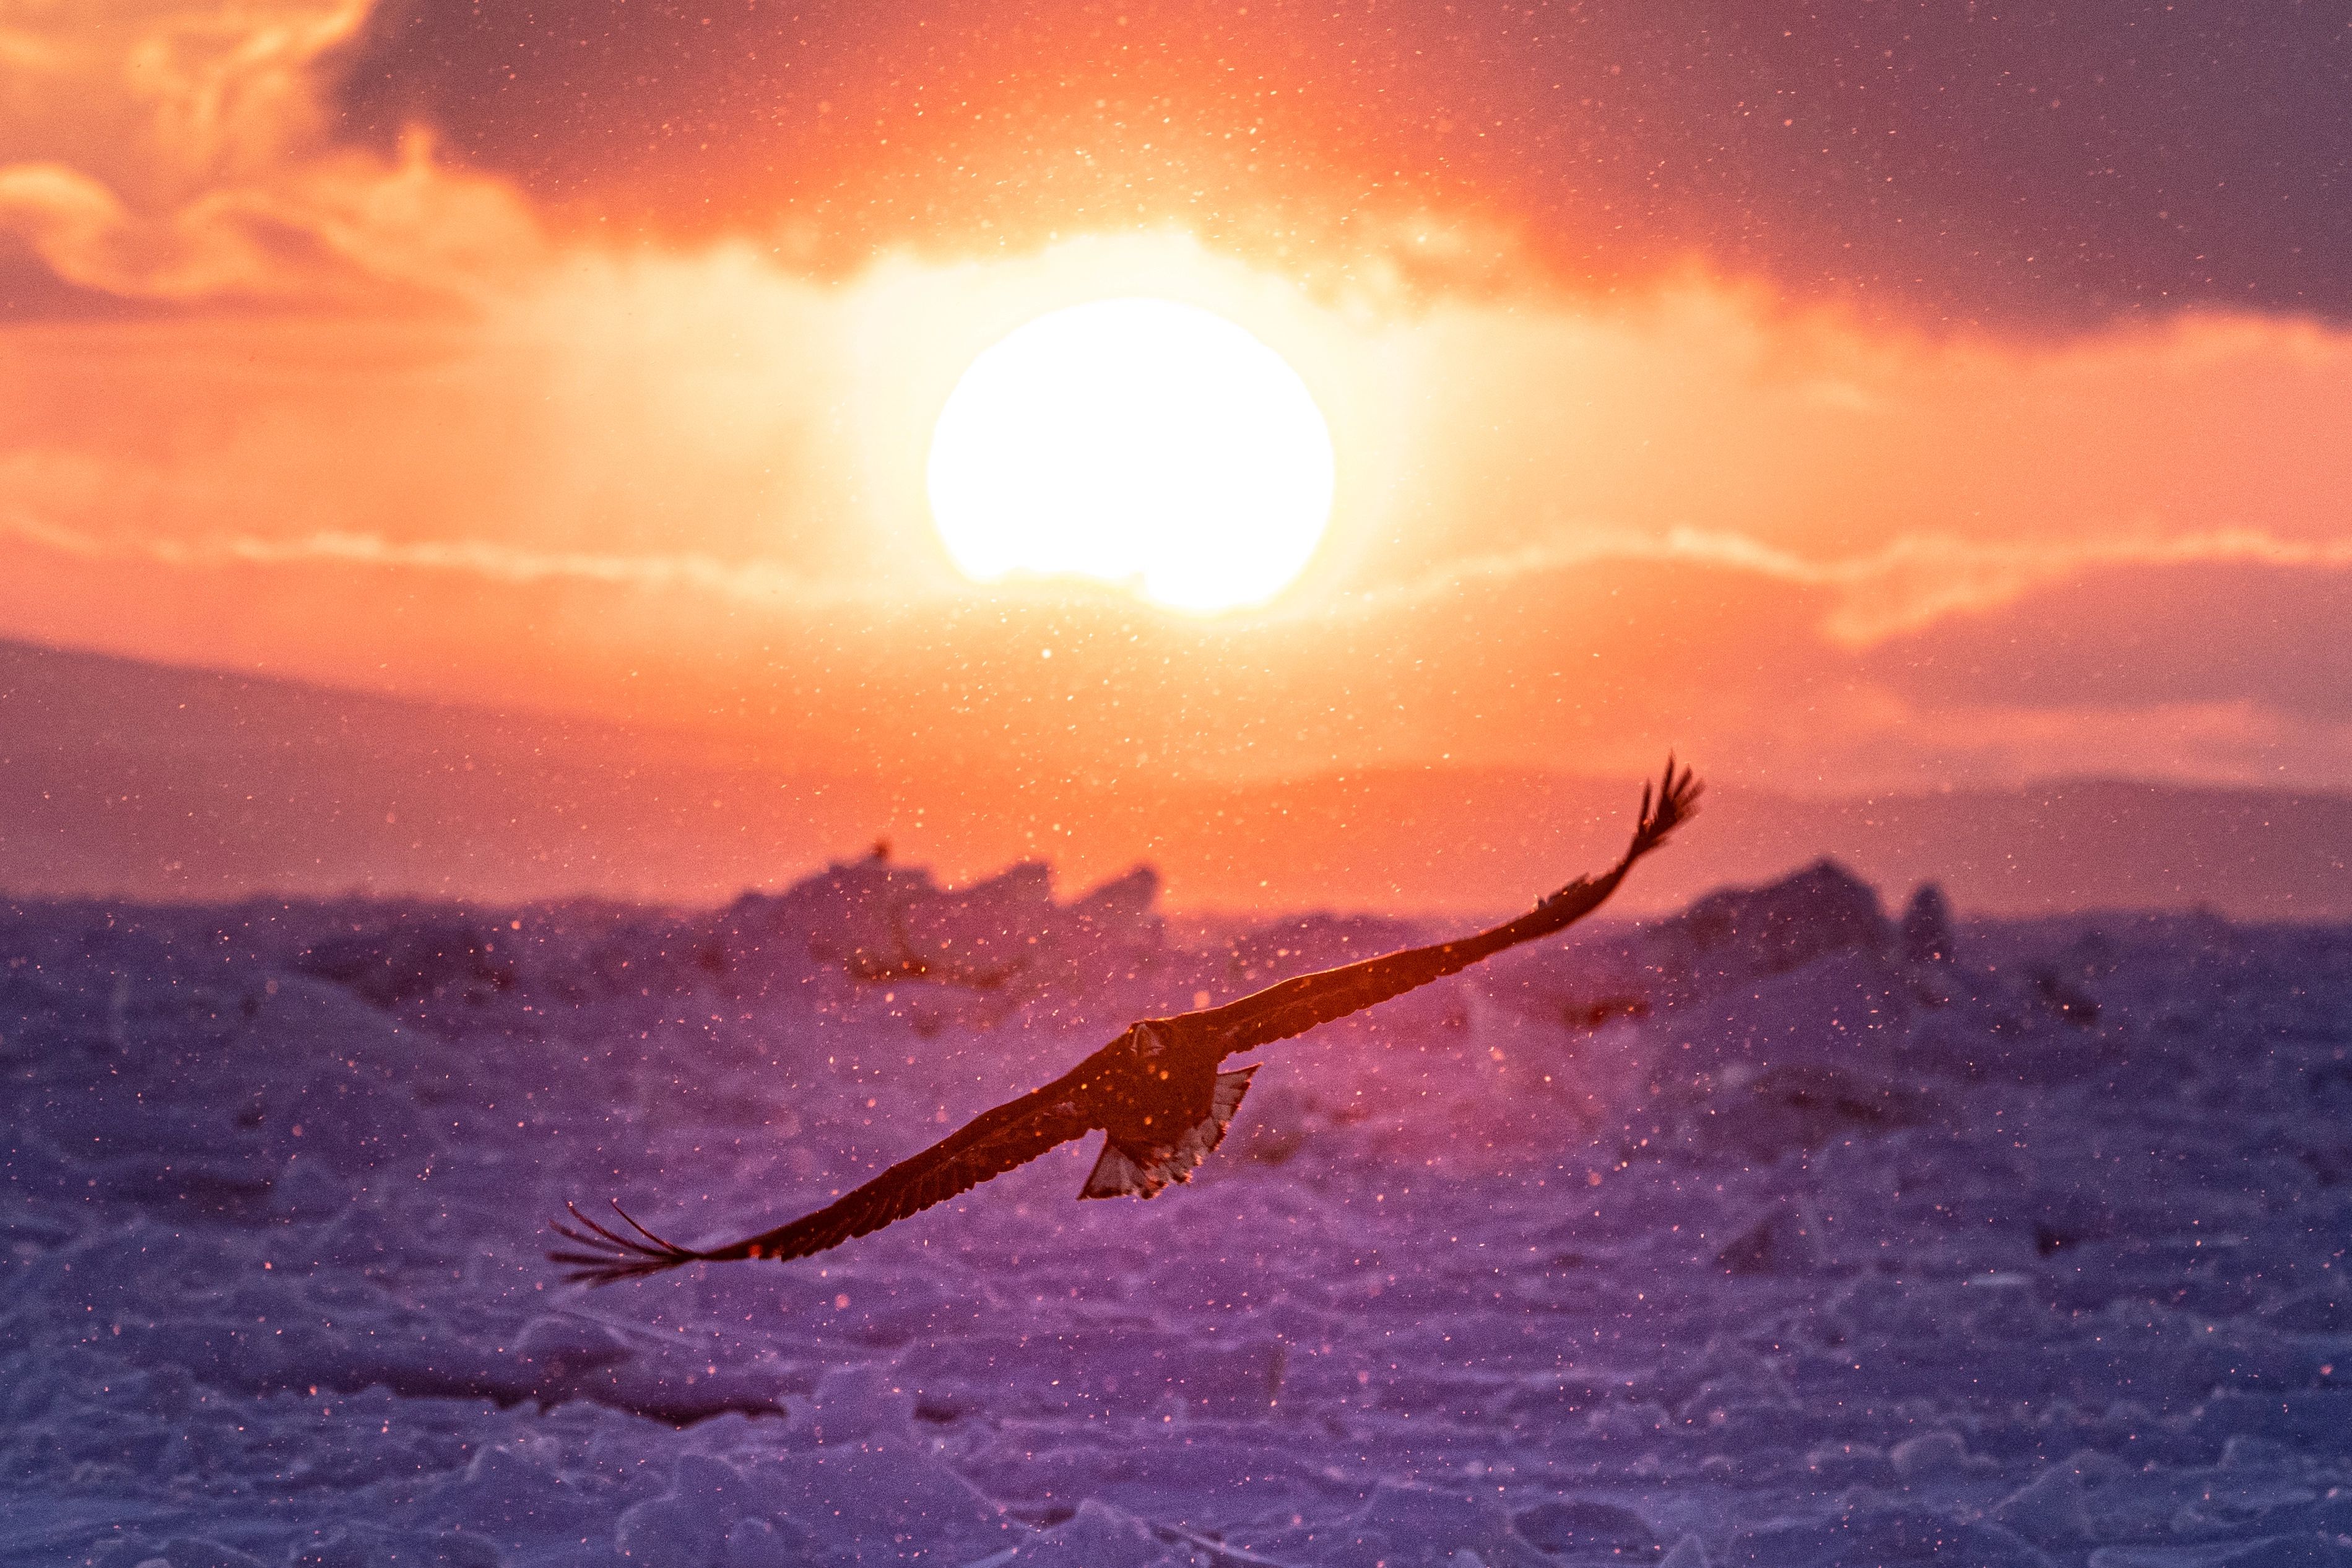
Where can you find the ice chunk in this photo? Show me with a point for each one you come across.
(1843, 1464)
(853, 1402)
(1743, 934)
(1931, 1456)
(1846, 1010)
(1587, 1528)
(1927, 927)
(336, 1548)
(2300, 1417)
(2303, 1551)
(1630, 1423)
(2049, 1507)
(203, 1552)
(2243, 1451)
(1409, 1526)
(1237, 1380)
(760, 1543)
(1095, 1536)
(411, 959)
(893, 1499)
(684, 1386)
(505, 1494)
(1798, 1106)
(1686, 1553)
(688, 1526)
(560, 1347)
(1729, 1375)
(1785, 1241)
(878, 924)
(2323, 1309)
(1871, 1540)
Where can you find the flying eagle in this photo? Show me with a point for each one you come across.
(1156, 1090)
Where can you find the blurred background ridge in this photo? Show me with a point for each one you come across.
(125, 778)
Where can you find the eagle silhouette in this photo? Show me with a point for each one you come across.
(1156, 1090)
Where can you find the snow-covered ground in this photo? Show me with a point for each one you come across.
(1779, 1233)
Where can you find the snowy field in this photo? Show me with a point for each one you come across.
(1784, 1232)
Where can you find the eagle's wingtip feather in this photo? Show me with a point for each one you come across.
(609, 1255)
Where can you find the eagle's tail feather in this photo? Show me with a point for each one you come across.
(1127, 1171)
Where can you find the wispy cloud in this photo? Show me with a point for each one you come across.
(743, 582)
(1903, 586)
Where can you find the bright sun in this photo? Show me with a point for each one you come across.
(1138, 442)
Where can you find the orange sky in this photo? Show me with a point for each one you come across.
(330, 380)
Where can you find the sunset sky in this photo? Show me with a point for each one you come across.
(1879, 396)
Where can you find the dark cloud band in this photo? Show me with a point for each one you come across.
(1957, 161)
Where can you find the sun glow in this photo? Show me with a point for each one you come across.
(1138, 442)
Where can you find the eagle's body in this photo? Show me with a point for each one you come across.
(1157, 1091)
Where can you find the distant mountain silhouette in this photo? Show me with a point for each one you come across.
(119, 777)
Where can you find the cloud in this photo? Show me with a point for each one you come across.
(2206, 658)
(1952, 164)
(1903, 586)
(171, 154)
(765, 584)
(2260, 625)
(687, 485)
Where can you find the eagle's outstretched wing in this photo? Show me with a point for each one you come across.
(1295, 1006)
(990, 1144)
(1020, 1130)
